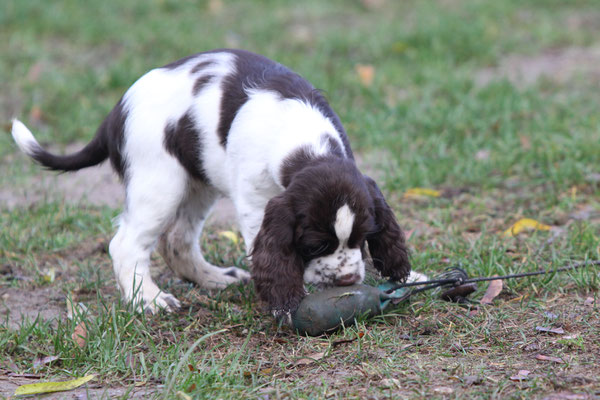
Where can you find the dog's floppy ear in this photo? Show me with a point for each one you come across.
(277, 268)
(388, 245)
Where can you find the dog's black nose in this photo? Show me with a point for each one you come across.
(347, 280)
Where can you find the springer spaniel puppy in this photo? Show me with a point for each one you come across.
(236, 124)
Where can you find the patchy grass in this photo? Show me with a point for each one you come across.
(498, 152)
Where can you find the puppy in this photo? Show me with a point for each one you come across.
(236, 124)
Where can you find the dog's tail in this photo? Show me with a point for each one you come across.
(93, 153)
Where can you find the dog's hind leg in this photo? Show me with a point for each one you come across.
(180, 245)
(153, 195)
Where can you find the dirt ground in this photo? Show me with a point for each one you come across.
(556, 65)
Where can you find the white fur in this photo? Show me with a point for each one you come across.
(415, 276)
(344, 221)
(24, 138)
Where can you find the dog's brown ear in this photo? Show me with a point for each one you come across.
(388, 245)
(277, 268)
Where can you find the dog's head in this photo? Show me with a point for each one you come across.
(314, 232)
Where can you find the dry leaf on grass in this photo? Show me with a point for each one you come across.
(421, 192)
(493, 290)
(589, 301)
(542, 357)
(39, 362)
(36, 115)
(365, 73)
(570, 337)
(309, 359)
(525, 224)
(232, 236)
(520, 376)
(182, 395)
(557, 331)
(443, 390)
(50, 387)
(390, 383)
(80, 335)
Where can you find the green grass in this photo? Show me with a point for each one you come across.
(500, 151)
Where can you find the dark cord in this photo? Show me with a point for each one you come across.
(457, 276)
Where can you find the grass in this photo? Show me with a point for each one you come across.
(498, 151)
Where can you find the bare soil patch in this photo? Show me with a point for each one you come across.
(557, 65)
(47, 303)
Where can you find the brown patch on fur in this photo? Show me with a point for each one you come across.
(387, 245)
(201, 83)
(182, 140)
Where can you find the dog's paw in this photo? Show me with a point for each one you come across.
(283, 317)
(150, 299)
(162, 301)
(415, 276)
(236, 275)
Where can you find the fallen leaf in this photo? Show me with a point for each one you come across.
(191, 388)
(390, 383)
(493, 290)
(589, 301)
(51, 387)
(80, 334)
(570, 337)
(182, 395)
(309, 359)
(35, 115)
(49, 275)
(365, 73)
(520, 376)
(39, 362)
(557, 331)
(232, 236)
(75, 310)
(523, 224)
(542, 357)
(421, 192)
(443, 390)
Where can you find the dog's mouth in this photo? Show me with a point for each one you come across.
(335, 281)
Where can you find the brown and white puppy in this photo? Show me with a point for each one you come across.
(236, 124)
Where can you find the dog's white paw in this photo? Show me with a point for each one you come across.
(162, 301)
(416, 277)
(150, 299)
(235, 275)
